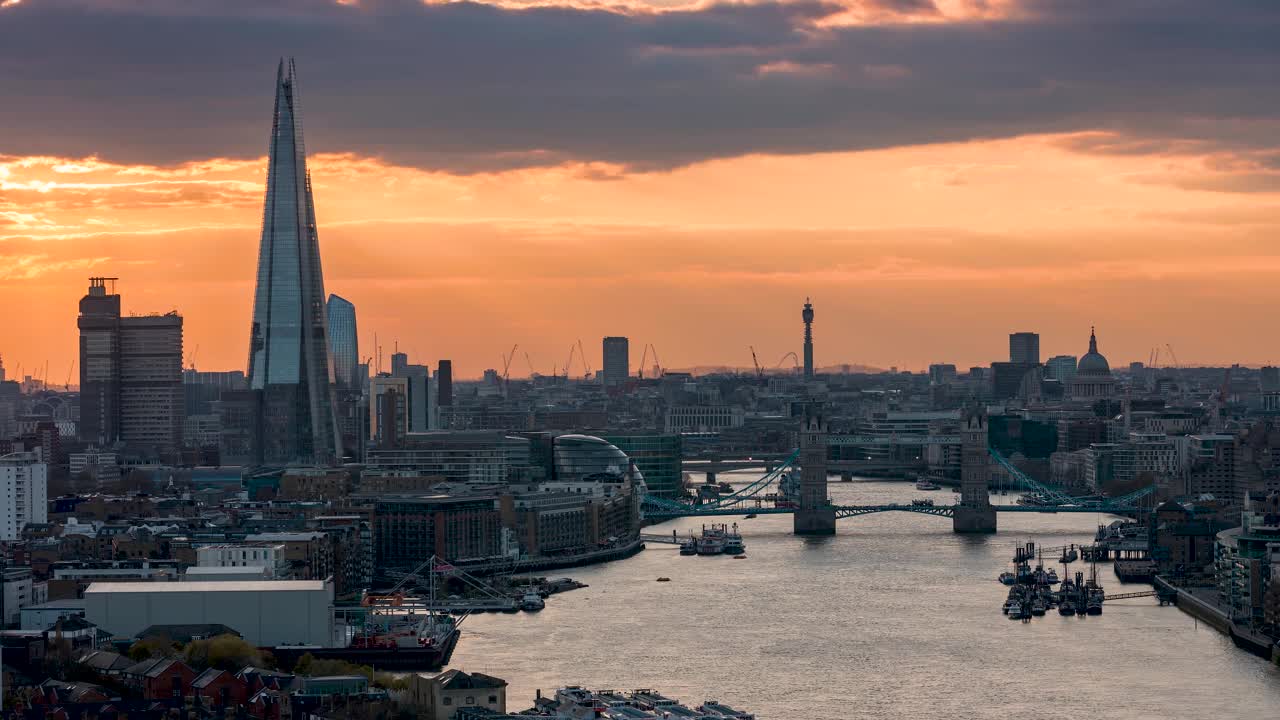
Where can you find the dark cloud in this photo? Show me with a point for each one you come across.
(466, 87)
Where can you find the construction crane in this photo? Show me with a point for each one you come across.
(66, 387)
(567, 363)
(529, 362)
(645, 356)
(191, 361)
(506, 367)
(582, 355)
(756, 362)
(1173, 355)
(1215, 420)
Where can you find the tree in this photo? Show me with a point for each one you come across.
(150, 647)
(224, 652)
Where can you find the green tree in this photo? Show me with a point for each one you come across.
(225, 652)
(150, 647)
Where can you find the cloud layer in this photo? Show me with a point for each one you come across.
(466, 86)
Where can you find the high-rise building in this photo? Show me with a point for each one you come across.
(807, 316)
(444, 383)
(99, 325)
(617, 360)
(388, 410)
(152, 406)
(344, 347)
(399, 364)
(289, 339)
(1024, 348)
(1061, 368)
(24, 493)
(130, 375)
(349, 382)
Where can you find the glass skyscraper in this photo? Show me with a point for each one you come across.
(288, 344)
(343, 346)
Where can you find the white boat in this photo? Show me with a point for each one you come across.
(733, 544)
(927, 484)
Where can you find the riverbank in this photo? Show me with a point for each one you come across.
(559, 562)
(1202, 604)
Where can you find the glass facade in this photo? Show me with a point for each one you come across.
(657, 457)
(288, 345)
(343, 345)
(584, 458)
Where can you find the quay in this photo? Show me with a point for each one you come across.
(1202, 604)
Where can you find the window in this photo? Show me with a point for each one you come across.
(493, 699)
(448, 701)
(471, 700)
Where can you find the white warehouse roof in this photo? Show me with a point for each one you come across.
(206, 586)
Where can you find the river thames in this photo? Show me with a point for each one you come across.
(893, 617)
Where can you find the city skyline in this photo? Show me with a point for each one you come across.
(1156, 224)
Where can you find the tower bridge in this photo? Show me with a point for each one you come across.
(807, 501)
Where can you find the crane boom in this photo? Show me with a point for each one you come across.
(756, 363)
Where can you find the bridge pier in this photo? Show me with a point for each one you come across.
(846, 476)
(711, 476)
(815, 521)
(973, 520)
(815, 514)
(974, 514)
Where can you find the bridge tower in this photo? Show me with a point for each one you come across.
(974, 514)
(815, 515)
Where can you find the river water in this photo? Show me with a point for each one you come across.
(894, 617)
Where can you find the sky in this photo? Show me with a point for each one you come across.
(934, 174)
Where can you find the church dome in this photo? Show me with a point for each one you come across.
(1093, 362)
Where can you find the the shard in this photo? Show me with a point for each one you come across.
(289, 367)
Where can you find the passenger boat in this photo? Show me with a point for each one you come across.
(1008, 578)
(1051, 577)
(1037, 607)
(733, 544)
(1094, 605)
(688, 547)
(927, 484)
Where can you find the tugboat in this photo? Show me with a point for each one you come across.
(1067, 607)
(1008, 578)
(1051, 577)
(1037, 607)
(532, 602)
(925, 483)
(688, 547)
(1094, 605)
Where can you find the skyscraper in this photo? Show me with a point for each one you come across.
(1024, 348)
(617, 360)
(289, 338)
(130, 375)
(344, 346)
(444, 383)
(807, 316)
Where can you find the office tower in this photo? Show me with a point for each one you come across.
(151, 398)
(1061, 368)
(289, 338)
(130, 375)
(444, 383)
(343, 344)
(388, 410)
(807, 316)
(1268, 380)
(99, 325)
(24, 493)
(399, 364)
(942, 373)
(617, 360)
(1024, 348)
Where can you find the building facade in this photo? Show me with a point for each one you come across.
(1024, 348)
(289, 337)
(617, 360)
(24, 493)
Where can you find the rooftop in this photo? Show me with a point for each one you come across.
(202, 586)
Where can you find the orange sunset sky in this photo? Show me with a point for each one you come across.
(934, 174)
